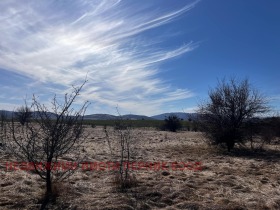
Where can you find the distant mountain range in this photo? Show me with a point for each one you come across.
(113, 117)
(181, 115)
(9, 114)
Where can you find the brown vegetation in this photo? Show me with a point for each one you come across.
(242, 179)
(48, 138)
(231, 104)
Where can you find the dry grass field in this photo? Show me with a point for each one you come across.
(237, 180)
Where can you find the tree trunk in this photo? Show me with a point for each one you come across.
(49, 183)
(48, 191)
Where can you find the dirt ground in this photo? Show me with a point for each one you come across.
(241, 179)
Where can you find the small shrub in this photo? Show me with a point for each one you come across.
(267, 135)
(172, 123)
(125, 152)
(124, 184)
(230, 105)
(23, 114)
(121, 125)
(45, 140)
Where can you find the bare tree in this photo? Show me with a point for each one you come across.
(51, 136)
(230, 104)
(23, 114)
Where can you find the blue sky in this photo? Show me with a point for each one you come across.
(144, 57)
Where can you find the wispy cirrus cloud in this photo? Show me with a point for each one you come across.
(57, 43)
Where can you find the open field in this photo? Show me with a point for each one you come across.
(237, 180)
(135, 123)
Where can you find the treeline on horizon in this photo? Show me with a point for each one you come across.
(268, 124)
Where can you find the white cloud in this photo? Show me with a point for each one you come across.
(8, 106)
(59, 44)
(191, 109)
(274, 98)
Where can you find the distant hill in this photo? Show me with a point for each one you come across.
(113, 117)
(100, 117)
(136, 117)
(7, 114)
(181, 115)
(50, 114)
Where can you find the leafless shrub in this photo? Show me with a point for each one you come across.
(172, 123)
(108, 139)
(124, 135)
(23, 114)
(92, 125)
(262, 131)
(124, 144)
(267, 135)
(193, 120)
(231, 104)
(125, 182)
(49, 138)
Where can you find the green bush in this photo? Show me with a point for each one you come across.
(172, 123)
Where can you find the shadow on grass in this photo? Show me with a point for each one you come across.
(261, 154)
